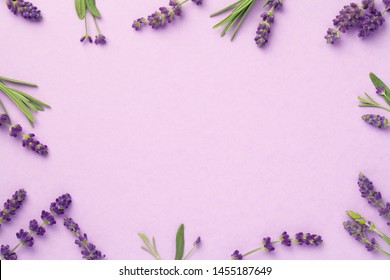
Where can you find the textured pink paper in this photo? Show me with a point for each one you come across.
(181, 126)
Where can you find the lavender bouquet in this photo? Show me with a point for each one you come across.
(364, 17)
(383, 91)
(82, 7)
(163, 16)
(238, 12)
(151, 247)
(267, 244)
(26, 9)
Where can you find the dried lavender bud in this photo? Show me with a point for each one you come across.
(28, 139)
(197, 2)
(198, 240)
(89, 251)
(86, 36)
(332, 35)
(26, 9)
(25, 238)
(48, 218)
(11, 205)
(268, 247)
(100, 39)
(370, 22)
(372, 245)
(307, 239)
(376, 120)
(236, 255)
(36, 228)
(285, 239)
(380, 90)
(264, 27)
(61, 204)
(7, 254)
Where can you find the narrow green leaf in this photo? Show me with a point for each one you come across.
(378, 83)
(180, 243)
(240, 22)
(225, 9)
(91, 6)
(17, 81)
(81, 8)
(5, 110)
(31, 98)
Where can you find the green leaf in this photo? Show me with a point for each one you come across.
(17, 81)
(378, 83)
(81, 8)
(30, 98)
(180, 243)
(91, 6)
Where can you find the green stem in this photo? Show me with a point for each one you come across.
(258, 249)
(190, 252)
(383, 251)
(97, 26)
(86, 25)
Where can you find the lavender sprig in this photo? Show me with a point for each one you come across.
(28, 139)
(365, 17)
(268, 244)
(376, 120)
(88, 250)
(383, 91)
(368, 191)
(264, 28)
(26, 238)
(163, 16)
(12, 205)
(369, 225)
(25, 9)
(82, 7)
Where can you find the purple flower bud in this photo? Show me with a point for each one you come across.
(376, 120)
(100, 39)
(371, 21)
(285, 239)
(332, 35)
(371, 245)
(26, 9)
(25, 238)
(36, 228)
(380, 90)
(197, 242)
(308, 239)
(358, 231)
(71, 225)
(268, 247)
(14, 130)
(236, 255)
(197, 2)
(61, 204)
(11, 205)
(6, 254)
(4, 119)
(48, 218)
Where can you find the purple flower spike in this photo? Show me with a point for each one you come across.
(264, 27)
(197, 242)
(100, 39)
(358, 231)
(308, 239)
(267, 244)
(380, 90)
(285, 239)
(197, 2)
(48, 218)
(6, 254)
(36, 228)
(14, 130)
(26, 9)
(332, 35)
(371, 245)
(236, 255)
(371, 22)
(25, 238)
(11, 205)
(61, 204)
(376, 120)
(4, 120)
(89, 251)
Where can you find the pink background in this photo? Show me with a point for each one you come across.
(179, 125)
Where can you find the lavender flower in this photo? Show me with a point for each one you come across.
(86, 38)
(25, 238)
(163, 16)
(264, 27)
(57, 208)
(236, 255)
(387, 5)
(26, 9)
(284, 239)
(376, 120)
(370, 22)
(368, 191)
(380, 90)
(11, 205)
(28, 139)
(7, 254)
(198, 240)
(89, 251)
(100, 39)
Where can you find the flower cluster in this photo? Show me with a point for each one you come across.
(82, 8)
(24, 8)
(26, 238)
(359, 228)
(365, 17)
(376, 120)
(368, 191)
(163, 16)
(28, 139)
(264, 27)
(88, 250)
(11, 205)
(268, 244)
